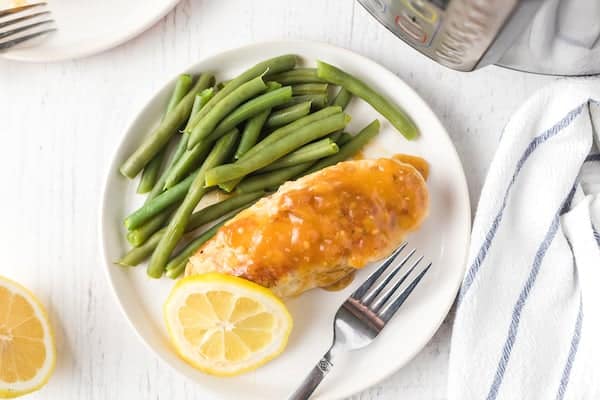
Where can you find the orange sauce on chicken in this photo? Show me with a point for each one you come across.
(419, 163)
(348, 214)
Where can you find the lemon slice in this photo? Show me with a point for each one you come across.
(27, 353)
(224, 325)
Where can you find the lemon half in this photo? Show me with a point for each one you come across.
(27, 352)
(224, 325)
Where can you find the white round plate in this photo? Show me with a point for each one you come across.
(443, 239)
(87, 27)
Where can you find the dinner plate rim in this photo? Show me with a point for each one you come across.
(82, 51)
(113, 165)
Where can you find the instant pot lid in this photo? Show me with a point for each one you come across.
(562, 39)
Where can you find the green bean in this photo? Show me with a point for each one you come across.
(279, 134)
(177, 264)
(203, 98)
(391, 111)
(306, 134)
(294, 76)
(342, 98)
(177, 270)
(139, 254)
(182, 87)
(138, 236)
(318, 100)
(310, 152)
(273, 86)
(158, 204)
(273, 65)
(151, 171)
(186, 163)
(350, 148)
(166, 129)
(199, 218)
(271, 180)
(344, 138)
(250, 109)
(207, 124)
(251, 132)
(286, 115)
(309, 88)
(178, 223)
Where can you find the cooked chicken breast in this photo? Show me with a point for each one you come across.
(317, 230)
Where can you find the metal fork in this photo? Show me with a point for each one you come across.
(14, 31)
(364, 314)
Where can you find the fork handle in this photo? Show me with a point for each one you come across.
(313, 379)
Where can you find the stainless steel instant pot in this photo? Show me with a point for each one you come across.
(558, 37)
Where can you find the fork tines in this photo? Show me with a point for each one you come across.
(379, 294)
(20, 24)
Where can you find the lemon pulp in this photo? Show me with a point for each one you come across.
(27, 352)
(225, 325)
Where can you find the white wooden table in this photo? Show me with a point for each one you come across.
(59, 124)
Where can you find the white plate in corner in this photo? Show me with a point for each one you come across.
(85, 28)
(443, 238)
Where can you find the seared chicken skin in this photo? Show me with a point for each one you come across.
(316, 230)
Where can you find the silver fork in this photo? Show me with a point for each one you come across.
(364, 314)
(25, 25)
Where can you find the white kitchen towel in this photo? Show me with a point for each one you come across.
(528, 314)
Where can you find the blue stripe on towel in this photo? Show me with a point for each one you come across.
(596, 235)
(593, 157)
(489, 237)
(523, 296)
(564, 380)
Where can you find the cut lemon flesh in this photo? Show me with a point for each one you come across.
(224, 325)
(27, 352)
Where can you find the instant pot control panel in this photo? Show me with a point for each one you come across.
(455, 33)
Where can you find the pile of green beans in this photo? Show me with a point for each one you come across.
(280, 148)
(246, 136)
(278, 134)
(199, 102)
